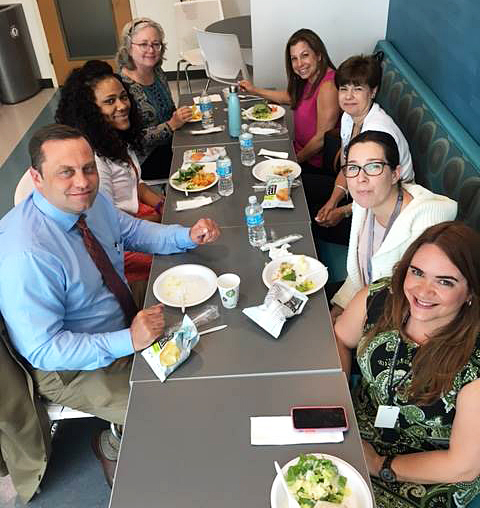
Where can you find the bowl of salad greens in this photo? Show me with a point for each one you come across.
(265, 111)
(319, 480)
(305, 274)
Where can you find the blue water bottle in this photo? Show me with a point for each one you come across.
(234, 118)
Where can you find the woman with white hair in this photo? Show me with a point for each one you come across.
(139, 59)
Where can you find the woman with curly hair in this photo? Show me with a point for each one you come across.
(139, 59)
(95, 101)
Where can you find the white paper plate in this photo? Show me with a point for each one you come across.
(200, 284)
(319, 278)
(265, 169)
(207, 166)
(274, 116)
(360, 496)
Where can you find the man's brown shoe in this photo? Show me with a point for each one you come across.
(108, 465)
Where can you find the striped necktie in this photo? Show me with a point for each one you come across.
(110, 276)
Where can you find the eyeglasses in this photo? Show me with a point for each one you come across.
(374, 168)
(144, 46)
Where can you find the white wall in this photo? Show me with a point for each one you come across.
(162, 12)
(39, 41)
(347, 27)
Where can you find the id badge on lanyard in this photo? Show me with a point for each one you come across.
(387, 415)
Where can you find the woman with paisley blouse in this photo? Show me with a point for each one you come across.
(139, 59)
(418, 348)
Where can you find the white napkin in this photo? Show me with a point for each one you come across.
(262, 130)
(213, 98)
(208, 131)
(197, 202)
(280, 155)
(278, 430)
(276, 252)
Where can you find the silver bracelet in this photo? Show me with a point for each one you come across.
(343, 188)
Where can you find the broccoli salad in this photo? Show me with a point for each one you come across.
(313, 480)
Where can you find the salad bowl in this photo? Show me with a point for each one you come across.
(357, 493)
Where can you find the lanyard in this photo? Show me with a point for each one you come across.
(391, 220)
(390, 386)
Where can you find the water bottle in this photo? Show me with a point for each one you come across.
(224, 172)
(254, 218)
(206, 108)
(234, 118)
(247, 153)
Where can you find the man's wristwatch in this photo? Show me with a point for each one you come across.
(386, 473)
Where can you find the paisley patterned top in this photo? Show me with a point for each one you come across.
(418, 428)
(156, 106)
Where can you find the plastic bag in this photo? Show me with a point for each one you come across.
(281, 302)
(178, 341)
(267, 128)
(277, 193)
(210, 154)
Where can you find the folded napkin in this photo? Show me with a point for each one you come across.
(213, 98)
(280, 155)
(278, 430)
(219, 128)
(197, 202)
(262, 130)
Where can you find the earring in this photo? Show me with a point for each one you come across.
(469, 302)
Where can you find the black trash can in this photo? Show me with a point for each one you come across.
(19, 71)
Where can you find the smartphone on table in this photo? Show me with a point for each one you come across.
(312, 418)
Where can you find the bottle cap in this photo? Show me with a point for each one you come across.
(244, 127)
(233, 88)
(252, 199)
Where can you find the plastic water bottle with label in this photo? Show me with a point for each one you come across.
(247, 153)
(206, 108)
(224, 172)
(254, 219)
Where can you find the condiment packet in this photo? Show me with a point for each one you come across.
(280, 155)
(282, 302)
(213, 98)
(196, 202)
(277, 193)
(210, 154)
(171, 351)
(219, 128)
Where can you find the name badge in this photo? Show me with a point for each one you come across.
(387, 416)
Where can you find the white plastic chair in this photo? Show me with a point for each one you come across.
(192, 14)
(24, 188)
(224, 60)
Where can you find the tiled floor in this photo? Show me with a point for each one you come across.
(15, 120)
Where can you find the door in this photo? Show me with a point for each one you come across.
(82, 30)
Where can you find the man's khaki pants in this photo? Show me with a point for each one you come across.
(102, 392)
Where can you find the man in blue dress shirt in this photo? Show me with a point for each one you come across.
(60, 315)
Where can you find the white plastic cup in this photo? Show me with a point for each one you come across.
(229, 288)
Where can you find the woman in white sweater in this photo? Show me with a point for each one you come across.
(387, 215)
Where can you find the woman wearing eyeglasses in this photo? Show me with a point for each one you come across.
(387, 214)
(358, 80)
(139, 59)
